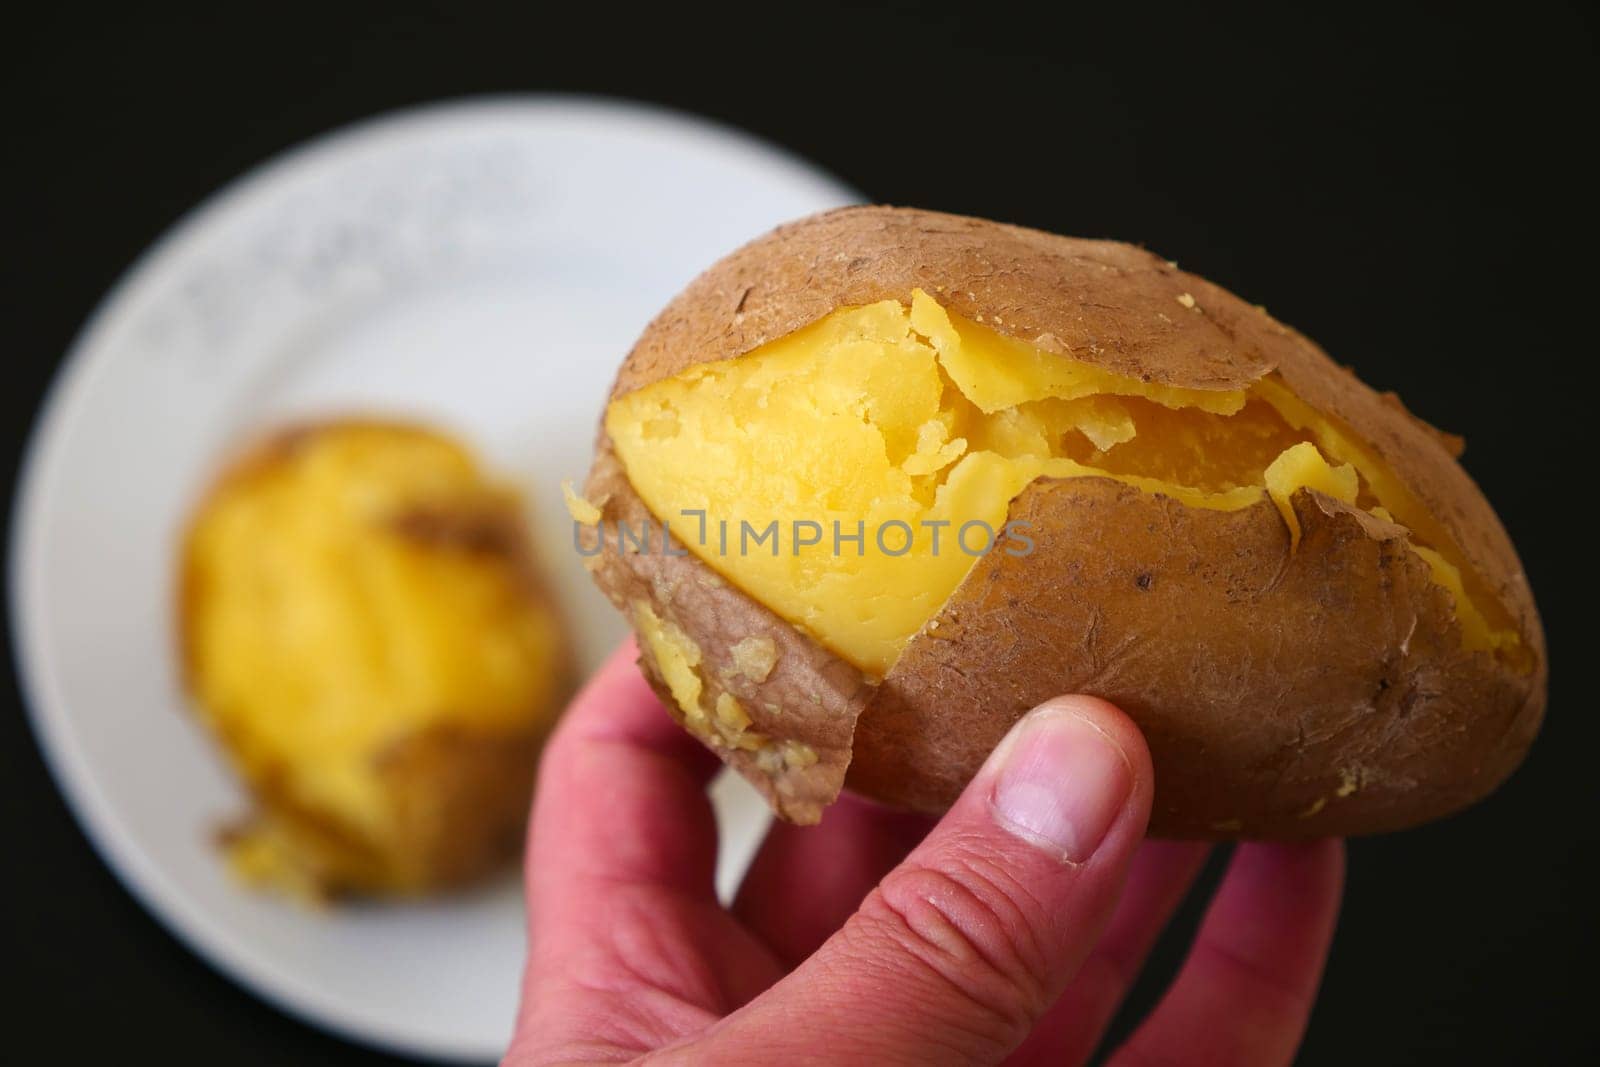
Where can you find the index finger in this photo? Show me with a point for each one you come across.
(621, 851)
(620, 800)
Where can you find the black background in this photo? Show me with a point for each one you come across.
(1411, 189)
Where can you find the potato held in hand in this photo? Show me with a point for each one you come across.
(364, 630)
(930, 471)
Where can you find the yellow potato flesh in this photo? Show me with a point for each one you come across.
(887, 417)
(322, 632)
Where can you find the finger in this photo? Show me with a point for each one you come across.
(620, 799)
(806, 881)
(1246, 989)
(628, 947)
(960, 949)
(1161, 876)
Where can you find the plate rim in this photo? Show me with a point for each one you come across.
(45, 706)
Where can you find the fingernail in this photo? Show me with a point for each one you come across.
(1059, 782)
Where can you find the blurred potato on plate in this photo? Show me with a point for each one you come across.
(365, 631)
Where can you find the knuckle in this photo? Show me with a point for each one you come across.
(970, 926)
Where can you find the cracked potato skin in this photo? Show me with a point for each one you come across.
(1285, 693)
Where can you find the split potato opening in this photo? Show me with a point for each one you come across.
(849, 475)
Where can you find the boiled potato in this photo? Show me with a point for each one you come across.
(910, 474)
(365, 632)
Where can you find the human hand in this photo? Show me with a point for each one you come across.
(1012, 929)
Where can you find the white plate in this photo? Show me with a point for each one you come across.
(483, 265)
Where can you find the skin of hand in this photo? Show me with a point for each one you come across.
(1009, 931)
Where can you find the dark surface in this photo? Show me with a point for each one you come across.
(1410, 190)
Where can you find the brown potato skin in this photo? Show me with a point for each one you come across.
(461, 796)
(1315, 692)
(1319, 695)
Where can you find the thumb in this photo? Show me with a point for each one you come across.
(959, 950)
